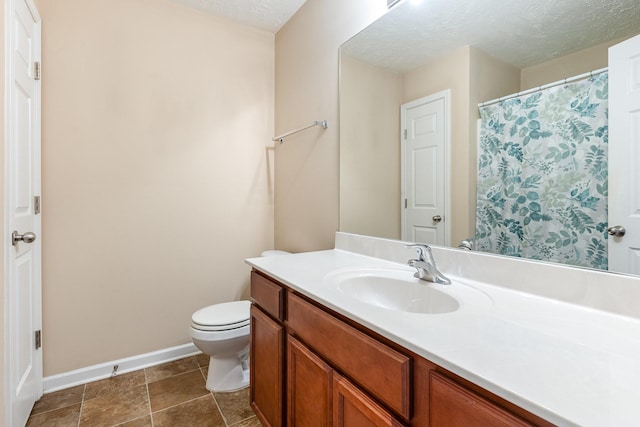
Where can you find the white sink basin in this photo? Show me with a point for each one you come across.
(397, 289)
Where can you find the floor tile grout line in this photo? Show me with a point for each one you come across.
(54, 409)
(242, 420)
(146, 383)
(181, 403)
(128, 421)
(31, 414)
(224, 418)
(173, 376)
(195, 360)
(84, 391)
(213, 395)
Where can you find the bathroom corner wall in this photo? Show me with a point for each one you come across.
(307, 164)
(157, 123)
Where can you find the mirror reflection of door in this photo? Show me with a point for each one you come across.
(624, 156)
(425, 169)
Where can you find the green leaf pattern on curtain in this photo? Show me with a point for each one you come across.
(543, 175)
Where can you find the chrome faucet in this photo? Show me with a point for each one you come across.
(426, 265)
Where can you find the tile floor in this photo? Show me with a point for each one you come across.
(172, 394)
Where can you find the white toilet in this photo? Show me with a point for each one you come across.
(222, 332)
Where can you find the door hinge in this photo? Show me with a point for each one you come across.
(36, 205)
(405, 203)
(405, 134)
(38, 339)
(37, 70)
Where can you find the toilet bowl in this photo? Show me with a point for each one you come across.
(221, 331)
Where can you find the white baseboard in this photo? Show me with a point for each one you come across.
(104, 370)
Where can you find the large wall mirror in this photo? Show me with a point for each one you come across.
(426, 66)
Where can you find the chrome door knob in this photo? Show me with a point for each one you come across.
(616, 231)
(436, 218)
(28, 237)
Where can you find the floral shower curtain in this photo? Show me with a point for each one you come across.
(543, 175)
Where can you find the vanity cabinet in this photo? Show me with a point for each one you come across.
(453, 405)
(317, 395)
(339, 373)
(266, 367)
(267, 358)
(377, 368)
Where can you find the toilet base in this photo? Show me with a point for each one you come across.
(227, 374)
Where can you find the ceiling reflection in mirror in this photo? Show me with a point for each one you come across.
(479, 51)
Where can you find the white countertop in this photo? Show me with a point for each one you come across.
(569, 364)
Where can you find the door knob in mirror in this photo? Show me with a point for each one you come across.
(616, 231)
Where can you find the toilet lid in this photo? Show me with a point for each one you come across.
(221, 317)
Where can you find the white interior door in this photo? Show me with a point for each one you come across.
(425, 170)
(23, 303)
(624, 155)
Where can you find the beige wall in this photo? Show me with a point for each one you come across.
(156, 124)
(307, 178)
(574, 64)
(370, 99)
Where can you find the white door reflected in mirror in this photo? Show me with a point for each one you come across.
(624, 156)
(424, 169)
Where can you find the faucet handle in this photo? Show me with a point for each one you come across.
(424, 251)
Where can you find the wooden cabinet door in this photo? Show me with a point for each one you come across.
(353, 408)
(267, 368)
(309, 382)
(382, 371)
(452, 405)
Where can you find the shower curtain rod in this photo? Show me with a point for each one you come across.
(543, 87)
(281, 138)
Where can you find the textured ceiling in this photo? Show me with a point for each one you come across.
(268, 15)
(520, 32)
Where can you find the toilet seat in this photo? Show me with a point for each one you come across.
(222, 317)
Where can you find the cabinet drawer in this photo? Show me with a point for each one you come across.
(268, 295)
(452, 405)
(380, 370)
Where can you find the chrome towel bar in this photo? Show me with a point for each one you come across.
(281, 138)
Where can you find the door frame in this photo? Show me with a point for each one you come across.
(445, 95)
(623, 252)
(9, 10)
